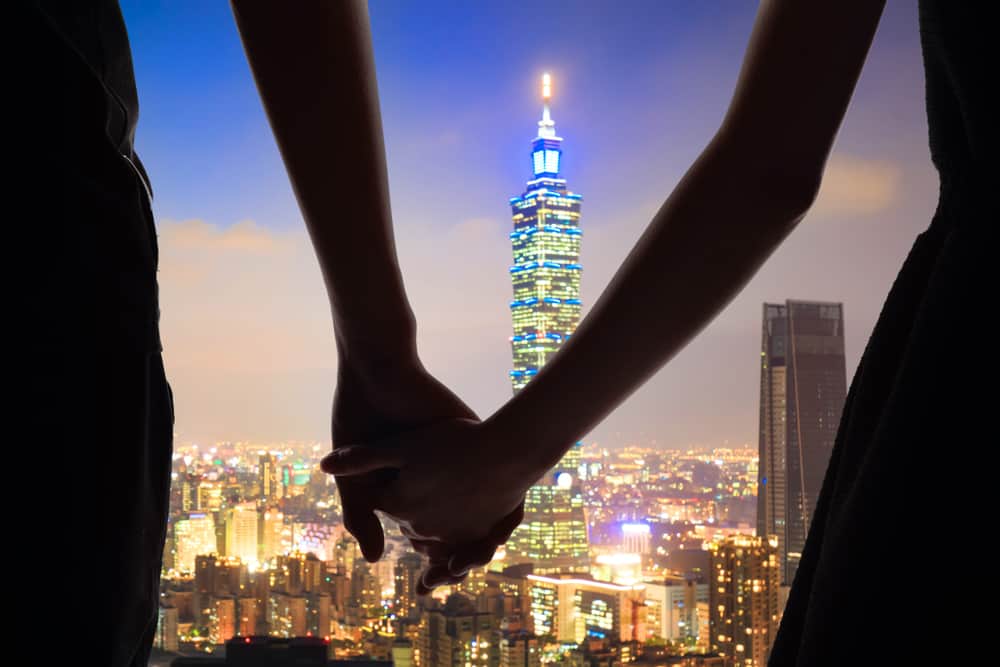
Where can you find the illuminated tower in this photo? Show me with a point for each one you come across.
(803, 386)
(546, 244)
(545, 313)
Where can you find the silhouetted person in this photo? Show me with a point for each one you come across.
(96, 385)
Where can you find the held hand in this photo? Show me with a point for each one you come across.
(374, 402)
(455, 495)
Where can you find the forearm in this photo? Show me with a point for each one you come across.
(735, 205)
(314, 69)
(701, 248)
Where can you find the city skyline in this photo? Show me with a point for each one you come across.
(246, 331)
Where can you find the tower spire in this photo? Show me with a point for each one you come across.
(546, 126)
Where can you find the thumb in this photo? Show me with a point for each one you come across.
(359, 459)
(363, 524)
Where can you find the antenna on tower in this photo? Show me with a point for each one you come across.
(546, 126)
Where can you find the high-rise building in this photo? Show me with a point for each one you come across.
(408, 569)
(222, 619)
(456, 635)
(193, 536)
(672, 609)
(520, 649)
(287, 615)
(803, 386)
(241, 532)
(573, 610)
(246, 616)
(743, 599)
(166, 629)
(275, 535)
(546, 311)
(270, 482)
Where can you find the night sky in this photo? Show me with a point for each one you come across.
(639, 88)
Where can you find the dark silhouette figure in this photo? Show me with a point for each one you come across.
(903, 466)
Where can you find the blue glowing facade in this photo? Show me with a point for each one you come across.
(546, 247)
(545, 313)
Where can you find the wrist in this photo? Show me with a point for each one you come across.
(378, 347)
(522, 457)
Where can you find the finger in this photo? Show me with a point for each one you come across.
(501, 532)
(480, 552)
(359, 459)
(476, 555)
(436, 551)
(363, 524)
(438, 575)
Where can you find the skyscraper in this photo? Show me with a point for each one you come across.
(545, 313)
(193, 536)
(456, 634)
(803, 386)
(407, 574)
(270, 484)
(743, 599)
(241, 532)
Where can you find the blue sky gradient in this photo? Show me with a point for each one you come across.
(639, 89)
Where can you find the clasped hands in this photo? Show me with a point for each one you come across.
(405, 445)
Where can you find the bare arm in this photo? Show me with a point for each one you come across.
(741, 198)
(314, 69)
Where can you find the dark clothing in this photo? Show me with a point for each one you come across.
(890, 554)
(99, 388)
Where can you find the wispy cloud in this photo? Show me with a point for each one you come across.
(857, 186)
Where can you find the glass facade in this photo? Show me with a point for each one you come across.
(803, 389)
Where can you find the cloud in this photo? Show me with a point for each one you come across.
(244, 236)
(248, 339)
(857, 186)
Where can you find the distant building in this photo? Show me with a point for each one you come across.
(287, 615)
(216, 577)
(573, 610)
(241, 532)
(743, 599)
(636, 538)
(545, 311)
(166, 629)
(672, 609)
(456, 635)
(520, 650)
(193, 536)
(222, 619)
(803, 386)
(275, 536)
(408, 570)
(270, 482)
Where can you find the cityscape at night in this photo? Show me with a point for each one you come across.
(670, 534)
(636, 554)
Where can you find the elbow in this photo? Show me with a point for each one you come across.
(784, 182)
(786, 191)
